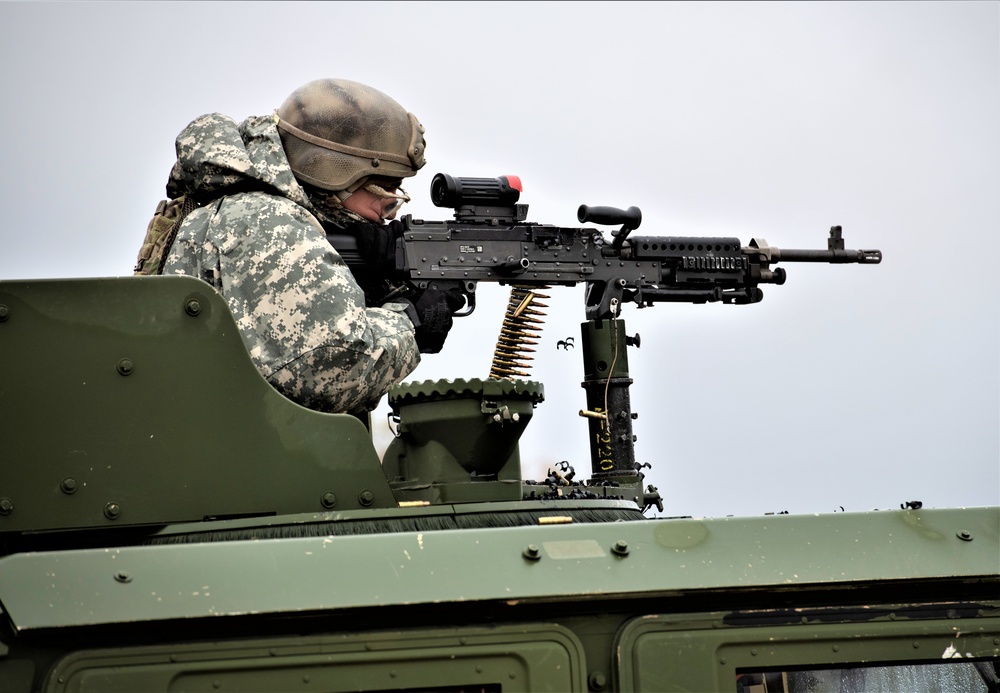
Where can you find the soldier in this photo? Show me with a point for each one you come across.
(335, 152)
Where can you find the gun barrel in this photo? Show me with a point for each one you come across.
(864, 257)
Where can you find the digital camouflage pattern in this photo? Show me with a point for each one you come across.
(299, 310)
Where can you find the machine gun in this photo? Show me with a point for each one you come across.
(490, 240)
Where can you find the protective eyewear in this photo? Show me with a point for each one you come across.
(399, 198)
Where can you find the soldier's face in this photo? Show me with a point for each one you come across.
(368, 205)
(378, 200)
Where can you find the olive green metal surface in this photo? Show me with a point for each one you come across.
(154, 583)
(133, 401)
(542, 657)
(706, 652)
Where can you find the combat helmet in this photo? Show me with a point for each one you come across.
(336, 133)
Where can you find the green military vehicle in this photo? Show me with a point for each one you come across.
(169, 522)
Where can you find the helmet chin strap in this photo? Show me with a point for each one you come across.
(398, 199)
(342, 195)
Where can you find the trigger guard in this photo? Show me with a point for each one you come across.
(470, 305)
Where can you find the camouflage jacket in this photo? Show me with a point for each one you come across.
(300, 312)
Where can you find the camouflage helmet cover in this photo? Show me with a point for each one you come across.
(336, 132)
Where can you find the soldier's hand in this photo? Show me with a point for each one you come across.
(377, 243)
(431, 312)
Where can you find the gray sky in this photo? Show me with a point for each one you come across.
(852, 386)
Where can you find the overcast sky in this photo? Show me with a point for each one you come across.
(850, 386)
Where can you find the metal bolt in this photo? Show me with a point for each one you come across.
(68, 485)
(532, 553)
(192, 307)
(125, 366)
(122, 576)
(597, 681)
(965, 535)
(328, 500)
(6, 506)
(4, 312)
(112, 511)
(366, 498)
(620, 548)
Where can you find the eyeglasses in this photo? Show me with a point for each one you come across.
(399, 198)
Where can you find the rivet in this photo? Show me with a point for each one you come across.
(366, 498)
(328, 500)
(68, 485)
(6, 506)
(965, 535)
(916, 645)
(376, 163)
(753, 652)
(192, 307)
(125, 366)
(122, 576)
(597, 681)
(532, 553)
(4, 312)
(620, 548)
(112, 511)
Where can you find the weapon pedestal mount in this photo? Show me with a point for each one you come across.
(455, 436)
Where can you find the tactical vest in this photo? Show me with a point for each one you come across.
(161, 232)
(169, 216)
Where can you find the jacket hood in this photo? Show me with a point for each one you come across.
(216, 156)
